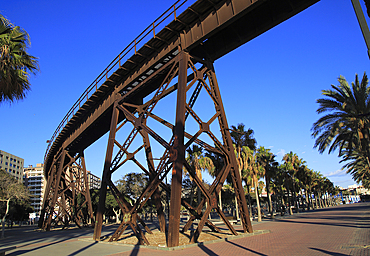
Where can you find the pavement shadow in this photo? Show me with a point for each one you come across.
(353, 224)
(328, 252)
(135, 251)
(20, 252)
(245, 248)
(83, 249)
(207, 250)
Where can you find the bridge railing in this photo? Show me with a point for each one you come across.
(115, 64)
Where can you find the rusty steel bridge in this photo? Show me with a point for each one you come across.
(167, 58)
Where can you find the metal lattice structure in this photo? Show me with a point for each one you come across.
(66, 181)
(175, 64)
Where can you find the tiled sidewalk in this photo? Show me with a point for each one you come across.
(341, 230)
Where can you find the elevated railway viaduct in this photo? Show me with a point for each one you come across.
(165, 59)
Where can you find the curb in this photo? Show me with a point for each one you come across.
(181, 247)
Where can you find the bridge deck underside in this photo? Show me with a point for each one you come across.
(207, 29)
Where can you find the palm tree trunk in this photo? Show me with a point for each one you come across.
(289, 201)
(3, 220)
(220, 200)
(199, 195)
(321, 205)
(310, 198)
(258, 201)
(236, 208)
(325, 200)
(282, 208)
(294, 194)
(192, 193)
(307, 200)
(269, 196)
(249, 199)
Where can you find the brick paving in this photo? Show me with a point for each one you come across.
(341, 230)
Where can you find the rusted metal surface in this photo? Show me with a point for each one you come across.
(247, 20)
(177, 59)
(188, 87)
(178, 153)
(67, 182)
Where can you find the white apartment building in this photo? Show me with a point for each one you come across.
(94, 181)
(35, 181)
(12, 164)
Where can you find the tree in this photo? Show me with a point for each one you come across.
(240, 138)
(304, 175)
(218, 163)
(367, 3)
(317, 185)
(250, 163)
(346, 126)
(10, 189)
(357, 166)
(279, 187)
(293, 163)
(268, 164)
(200, 163)
(15, 63)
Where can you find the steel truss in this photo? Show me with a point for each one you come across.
(67, 180)
(191, 81)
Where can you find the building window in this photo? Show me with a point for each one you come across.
(6, 163)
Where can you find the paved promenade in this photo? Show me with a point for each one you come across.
(341, 230)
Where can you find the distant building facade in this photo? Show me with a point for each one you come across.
(35, 181)
(358, 190)
(94, 181)
(12, 164)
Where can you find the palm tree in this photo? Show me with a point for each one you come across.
(304, 175)
(218, 164)
(317, 181)
(240, 137)
(254, 169)
(347, 125)
(357, 166)
(200, 163)
(285, 175)
(15, 63)
(280, 185)
(292, 163)
(268, 165)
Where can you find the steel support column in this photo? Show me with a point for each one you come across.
(152, 173)
(87, 188)
(56, 189)
(178, 154)
(235, 174)
(106, 177)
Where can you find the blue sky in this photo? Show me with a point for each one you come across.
(270, 84)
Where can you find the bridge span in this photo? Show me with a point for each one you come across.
(175, 58)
